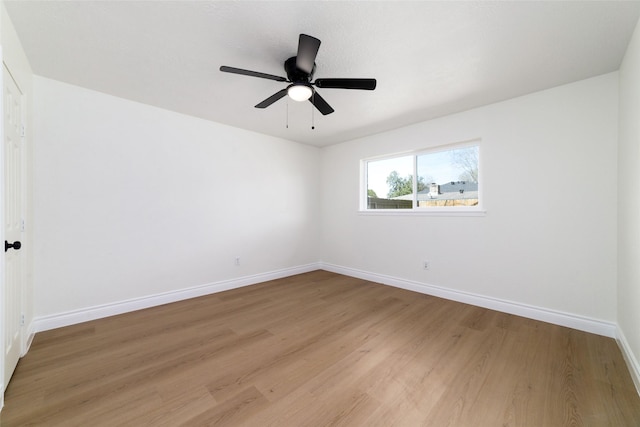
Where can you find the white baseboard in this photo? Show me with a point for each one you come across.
(599, 327)
(59, 320)
(632, 361)
(582, 323)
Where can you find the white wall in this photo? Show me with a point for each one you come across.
(629, 205)
(548, 169)
(132, 200)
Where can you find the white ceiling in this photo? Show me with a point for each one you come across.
(429, 58)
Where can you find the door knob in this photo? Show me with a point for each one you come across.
(15, 245)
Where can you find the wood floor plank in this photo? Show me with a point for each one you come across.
(232, 411)
(320, 349)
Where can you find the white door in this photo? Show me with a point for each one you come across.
(13, 215)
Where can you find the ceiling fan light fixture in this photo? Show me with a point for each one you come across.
(300, 70)
(299, 92)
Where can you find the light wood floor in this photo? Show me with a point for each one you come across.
(320, 349)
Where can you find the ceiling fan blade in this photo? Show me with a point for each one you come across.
(273, 98)
(233, 70)
(307, 50)
(321, 104)
(365, 84)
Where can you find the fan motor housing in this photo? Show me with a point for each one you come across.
(296, 75)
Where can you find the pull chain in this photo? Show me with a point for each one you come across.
(313, 99)
(313, 117)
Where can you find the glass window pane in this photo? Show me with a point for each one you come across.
(450, 178)
(390, 183)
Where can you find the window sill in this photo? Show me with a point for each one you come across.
(423, 212)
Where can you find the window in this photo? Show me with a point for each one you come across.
(447, 180)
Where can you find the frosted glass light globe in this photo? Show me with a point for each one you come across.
(299, 92)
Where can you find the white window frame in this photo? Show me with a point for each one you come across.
(477, 210)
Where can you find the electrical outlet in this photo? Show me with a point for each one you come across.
(237, 260)
(426, 265)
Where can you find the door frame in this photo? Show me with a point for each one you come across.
(2, 236)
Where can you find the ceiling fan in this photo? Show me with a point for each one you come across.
(300, 69)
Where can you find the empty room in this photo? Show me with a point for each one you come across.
(312, 213)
